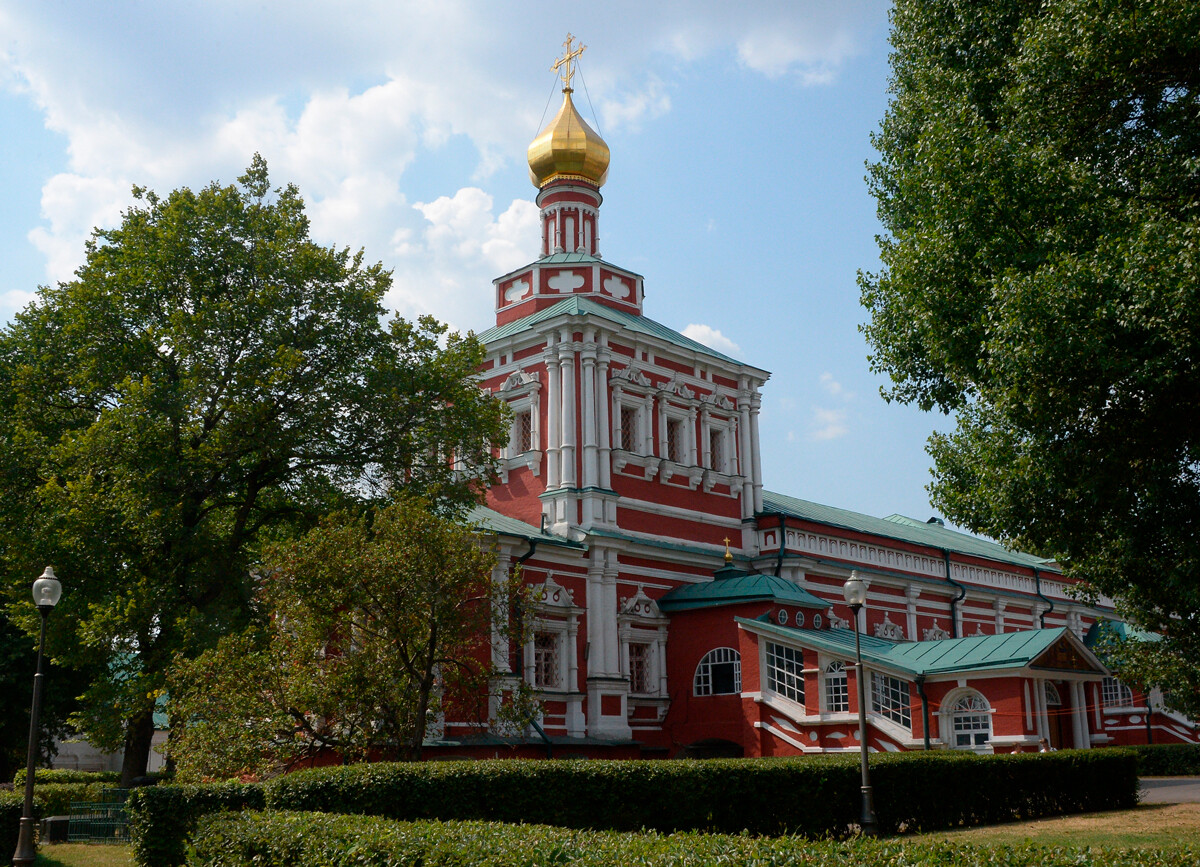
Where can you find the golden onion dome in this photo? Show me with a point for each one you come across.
(568, 149)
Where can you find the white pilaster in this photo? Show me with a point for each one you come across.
(566, 358)
(553, 415)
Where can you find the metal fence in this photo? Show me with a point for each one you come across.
(102, 821)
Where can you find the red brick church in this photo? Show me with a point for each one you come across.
(687, 610)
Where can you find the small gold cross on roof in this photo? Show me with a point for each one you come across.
(568, 71)
(728, 553)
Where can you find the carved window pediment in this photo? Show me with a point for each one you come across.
(889, 630)
(935, 633)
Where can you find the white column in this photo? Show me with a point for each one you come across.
(572, 653)
(553, 415)
(692, 452)
(911, 593)
(660, 660)
(756, 452)
(587, 357)
(1079, 700)
(609, 613)
(745, 458)
(648, 426)
(603, 422)
(595, 618)
(998, 606)
(500, 646)
(566, 358)
(1039, 709)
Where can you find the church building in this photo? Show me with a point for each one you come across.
(685, 609)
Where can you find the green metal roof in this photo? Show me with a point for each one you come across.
(1008, 650)
(580, 306)
(903, 529)
(492, 521)
(1120, 629)
(731, 586)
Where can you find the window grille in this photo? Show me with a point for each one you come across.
(785, 671)
(629, 429)
(1115, 694)
(971, 723)
(719, 673)
(889, 698)
(1053, 699)
(545, 660)
(639, 668)
(523, 431)
(716, 449)
(837, 693)
(674, 440)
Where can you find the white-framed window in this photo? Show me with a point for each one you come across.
(716, 449)
(675, 446)
(629, 428)
(837, 691)
(1115, 694)
(641, 680)
(522, 431)
(890, 698)
(719, 673)
(547, 660)
(785, 671)
(970, 722)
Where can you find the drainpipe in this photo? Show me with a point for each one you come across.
(962, 593)
(920, 679)
(782, 545)
(1037, 587)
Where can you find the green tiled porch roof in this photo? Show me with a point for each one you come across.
(489, 520)
(579, 306)
(1006, 651)
(902, 529)
(733, 586)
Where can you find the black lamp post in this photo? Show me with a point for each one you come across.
(855, 591)
(46, 593)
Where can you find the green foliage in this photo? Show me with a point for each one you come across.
(309, 840)
(211, 379)
(64, 775)
(162, 818)
(371, 624)
(1039, 184)
(1167, 760)
(12, 804)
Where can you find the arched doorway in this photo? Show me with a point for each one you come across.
(1057, 721)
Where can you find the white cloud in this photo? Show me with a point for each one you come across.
(834, 387)
(829, 424)
(712, 338)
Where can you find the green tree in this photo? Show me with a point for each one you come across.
(212, 377)
(1039, 184)
(371, 625)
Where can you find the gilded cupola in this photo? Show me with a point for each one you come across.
(568, 149)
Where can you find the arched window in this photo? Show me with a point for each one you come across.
(719, 673)
(837, 695)
(1116, 694)
(970, 722)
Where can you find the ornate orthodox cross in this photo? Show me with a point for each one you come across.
(568, 71)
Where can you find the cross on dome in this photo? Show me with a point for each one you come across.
(564, 62)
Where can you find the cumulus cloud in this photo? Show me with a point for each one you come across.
(834, 387)
(829, 424)
(712, 338)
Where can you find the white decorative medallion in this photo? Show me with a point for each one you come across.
(517, 291)
(565, 281)
(617, 288)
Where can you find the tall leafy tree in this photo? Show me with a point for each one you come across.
(1039, 184)
(211, 377)
(371, 624)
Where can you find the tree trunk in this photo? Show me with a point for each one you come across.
(139, 731)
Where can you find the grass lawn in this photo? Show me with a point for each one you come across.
(85, 855)
(1152, 826)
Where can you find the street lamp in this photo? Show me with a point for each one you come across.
(46, 593)
(855, 591)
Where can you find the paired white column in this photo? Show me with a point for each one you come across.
(553, 415)
(604, 423)
(756, 451)
(566, 359)
(587, 358)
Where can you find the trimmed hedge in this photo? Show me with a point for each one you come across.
(51, 799)
(810, 795)
(11, 806)
(322, 840)
(63, 775)
(161, 818)
(1168, 760)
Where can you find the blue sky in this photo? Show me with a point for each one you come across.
(738, 139)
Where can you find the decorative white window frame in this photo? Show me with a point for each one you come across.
(953, 709)
(717, 413)
(555, 613)
(717, 656)
(783, 672)
(641, 622)
(675, 408)
(835, 678)
(522, 393)
(895, 709)
(631, 388)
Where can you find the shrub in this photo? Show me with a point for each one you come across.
(51, 799)
(322, 840)
(162, 817)
(11, 807)
(63, 775)
(1168, 760)
(812, 796)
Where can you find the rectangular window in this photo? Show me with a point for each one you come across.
(889, 698)
(837, 695)
(639, 668)
(716, 449)
(675, 440)
(785, 671)
(523, 431)
(1115, 694)
(629, 429)
(545, 660)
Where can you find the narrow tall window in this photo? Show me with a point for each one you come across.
(674, 440)
(889, 698)
(719, 673)
(545, 660)
(716, 449)
(629, 429)
(639, 668)
(837, 694)
(523, 431)
(785, 671)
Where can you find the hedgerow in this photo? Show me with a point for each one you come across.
(65, 775)
(1167, 760)
(161, 818)
(322, 840)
